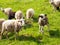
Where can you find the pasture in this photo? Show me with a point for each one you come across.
(31, 35)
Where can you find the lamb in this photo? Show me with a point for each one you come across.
(42, 21)
(12, 26)
(55, 3)
(8, 12)
(29, 13)
(18, 15)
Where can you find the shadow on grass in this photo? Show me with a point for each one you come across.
(54, 33)
(29, 22)
(30, 38)
(27, 38)
(9, 35)
(27, 26)
(35, 19)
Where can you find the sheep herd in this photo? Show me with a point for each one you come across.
(55, 4)
(15, 25)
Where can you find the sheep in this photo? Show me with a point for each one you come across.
(55, 3)
(29, 13)
(18, 15)
(8, 12)
(12, 26)
(42, 21)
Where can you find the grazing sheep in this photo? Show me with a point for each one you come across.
(19, 15)
(8, 12)
(12, 26)
(29, 13)
(55, 3)
(43, 20)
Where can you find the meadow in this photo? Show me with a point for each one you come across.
(31, 35)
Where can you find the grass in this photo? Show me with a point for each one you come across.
(31, 35)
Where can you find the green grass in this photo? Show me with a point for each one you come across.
(31, 35)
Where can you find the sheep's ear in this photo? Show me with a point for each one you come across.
(39, 16)
(20, 21)
(14, 12)
(2, 9)
(45, 14)
(23, 17)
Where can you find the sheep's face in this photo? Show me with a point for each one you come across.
(21, 22)
(42, 16)
(43, 20)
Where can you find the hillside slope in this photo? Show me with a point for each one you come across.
(31, 35)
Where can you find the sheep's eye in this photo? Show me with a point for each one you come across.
(20, 21)
(45, 14)
(2, 10)
(41, 16)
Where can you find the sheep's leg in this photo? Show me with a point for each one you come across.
(48, 27)
(0, 36)
(2, 33)
(41, 29)
(15, 35)
(57, 8)
(6, 34)
(32, 18)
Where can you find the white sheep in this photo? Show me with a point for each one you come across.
(42, 21)
(29, 13)
(12, 26)
(8, 12)
(19, 14)
(55, 3)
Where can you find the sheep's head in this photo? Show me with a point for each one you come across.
(2, 9)
(43, 19)
(19, 14)
(42, 15)
(21, 22)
